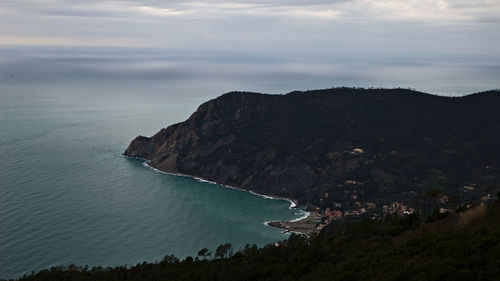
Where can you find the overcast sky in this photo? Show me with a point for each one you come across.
(417, 27)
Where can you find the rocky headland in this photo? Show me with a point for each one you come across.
(341, 148)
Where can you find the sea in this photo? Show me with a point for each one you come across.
(68, 196)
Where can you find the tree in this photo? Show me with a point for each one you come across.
(434, 193)
(224, 251)
(204, 253)
(170, 259)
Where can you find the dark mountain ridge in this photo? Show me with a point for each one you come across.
(335, 147)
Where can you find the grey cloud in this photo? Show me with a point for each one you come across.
(78, 13)
(318, 28)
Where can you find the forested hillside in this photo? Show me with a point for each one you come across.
(344, 148)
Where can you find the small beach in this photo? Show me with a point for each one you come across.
(305, 225)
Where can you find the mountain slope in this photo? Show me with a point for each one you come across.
(336, 145)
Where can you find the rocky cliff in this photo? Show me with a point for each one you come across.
(335, 145)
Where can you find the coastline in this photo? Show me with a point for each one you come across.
(304, 225)
(293, 203)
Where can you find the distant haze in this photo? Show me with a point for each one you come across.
(156, 72)
(449, 47)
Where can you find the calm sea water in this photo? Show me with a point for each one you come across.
(67, 196)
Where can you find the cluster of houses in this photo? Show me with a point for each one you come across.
(368, 209)
(330, 215)
(353, 191)
(397, 208)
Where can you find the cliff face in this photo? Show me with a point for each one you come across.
(301, 145)
(221, 142)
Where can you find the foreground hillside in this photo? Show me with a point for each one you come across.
(460, 247)
(346, 149)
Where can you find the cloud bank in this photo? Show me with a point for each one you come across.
(346, 27)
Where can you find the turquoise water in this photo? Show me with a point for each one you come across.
(67, 196)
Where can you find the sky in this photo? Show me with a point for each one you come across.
(440, 46)
(297, 26)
